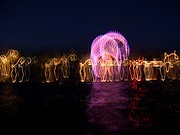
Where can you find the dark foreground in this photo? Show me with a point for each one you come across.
(121, 108)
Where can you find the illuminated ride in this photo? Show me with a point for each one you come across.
(108, 51)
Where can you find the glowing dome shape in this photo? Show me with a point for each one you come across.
(110, 46)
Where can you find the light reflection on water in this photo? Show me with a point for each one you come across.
(107, 108)
(133, 108)
(93, 108)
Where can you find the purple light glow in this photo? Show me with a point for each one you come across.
(110, 46)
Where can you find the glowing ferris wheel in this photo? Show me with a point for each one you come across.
(110, 46)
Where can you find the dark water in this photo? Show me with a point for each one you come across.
(121, 108)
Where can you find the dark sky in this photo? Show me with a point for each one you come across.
(54, 24)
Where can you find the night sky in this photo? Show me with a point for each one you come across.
(61, 25)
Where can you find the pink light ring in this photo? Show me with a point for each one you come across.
(95, 45)
(119, 62)
(93, 63)
(119, 56)
(94, 51)
(120, 39)
(125, 51)
(96, 39)
(111, 48)
(128, 50)
(124, 45)
(95, 54)
(108, 46)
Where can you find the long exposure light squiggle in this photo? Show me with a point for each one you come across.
(59, 68)
(14, 68)
(85, 71)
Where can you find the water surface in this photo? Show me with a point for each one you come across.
(91, 108)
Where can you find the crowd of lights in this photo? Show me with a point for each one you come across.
(15, 68)
(138, 69)
(107, 62)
